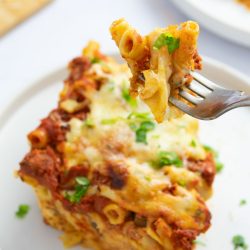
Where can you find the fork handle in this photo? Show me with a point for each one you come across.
(242, 101)
(245, 101)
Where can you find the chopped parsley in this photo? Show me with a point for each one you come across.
(95, 60)
(243, 202)
(141, 123)
(165, 158)
(22, 211)
(81, 188)
(135, 116)
(147, 125)
(218, 164)
(141, 136)
(239, 242)
(210, 149)
(147, 178)
(166, 39)
(142, 130)
(110, 121)
(193, 143)
(89, 122)
(132, 119)
(182, 183)
(198, 242)
(128, 98)
(156, 136)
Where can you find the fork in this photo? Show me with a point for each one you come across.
(207, 100)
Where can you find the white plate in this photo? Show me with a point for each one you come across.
(229, 134)
(226, 18)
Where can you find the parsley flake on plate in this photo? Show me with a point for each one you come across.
(243, 202)
(218, 166)
(239, 242)
(22, 211)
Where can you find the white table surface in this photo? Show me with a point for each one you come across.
(56, 34)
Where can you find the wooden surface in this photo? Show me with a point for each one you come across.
(245, 2)
(12, 12)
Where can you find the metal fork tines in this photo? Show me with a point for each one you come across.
(206, 100)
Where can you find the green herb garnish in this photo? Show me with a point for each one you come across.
(112, 120)
(132, 120)
(89, 122)
(141, 132)
(135, 116)
(198, 242)
(141, 123)
(182, 183)
(193, 143)
(243, 202)
(147, 178)
(95, 60)
(210, 149)
(141, 136)
(127, 97)
(108, 121)
(239, 242)
(218, 164)
(147, 125)
(165, 158)
(155, 136)
(166, 39)
(22, 211)
(81, 188)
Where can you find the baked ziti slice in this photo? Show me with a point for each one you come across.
(109, 176)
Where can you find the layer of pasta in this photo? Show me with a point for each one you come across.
(157, 61)
(108, 175)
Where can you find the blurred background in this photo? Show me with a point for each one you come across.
(58, 32)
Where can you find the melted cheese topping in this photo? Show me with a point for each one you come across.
(109, 112)
(110, 138)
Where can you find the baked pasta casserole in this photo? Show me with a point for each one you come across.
(158, 61)
(109, 176)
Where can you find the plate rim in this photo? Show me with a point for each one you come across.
(216, 25)
(10, 107)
